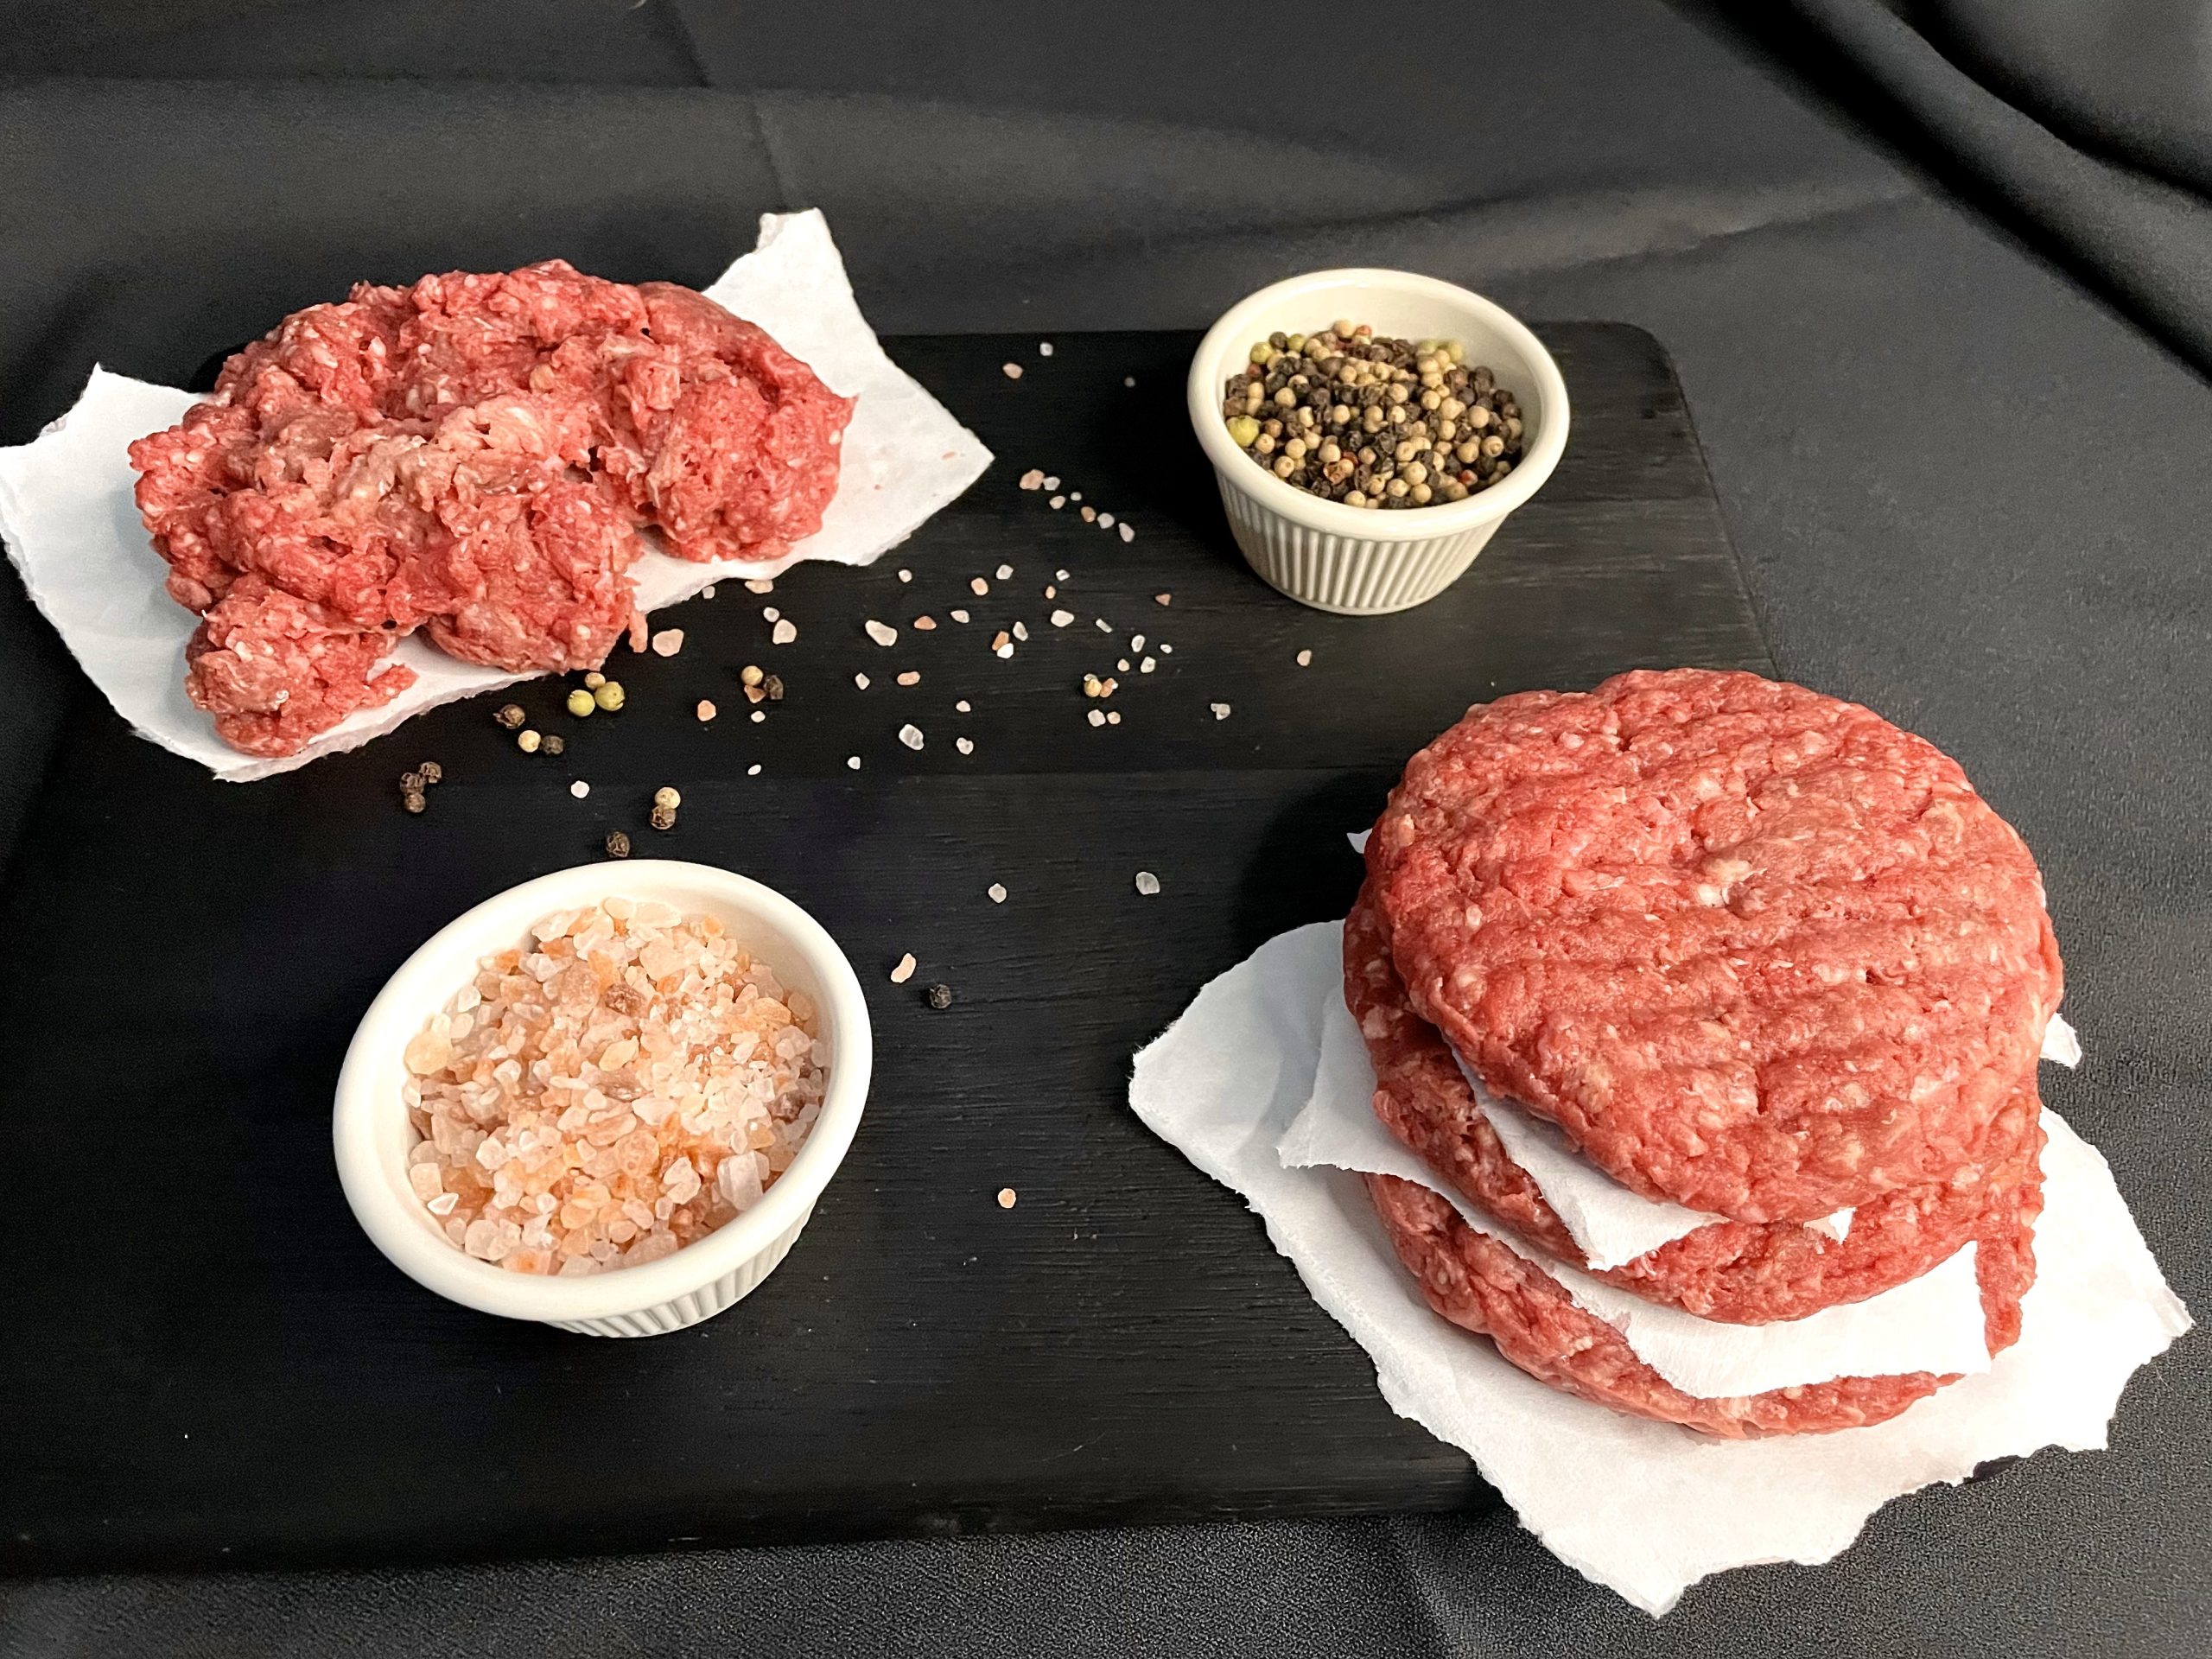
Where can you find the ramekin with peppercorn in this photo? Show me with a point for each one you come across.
(1371, 430)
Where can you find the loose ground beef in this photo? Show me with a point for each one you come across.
(475, 453)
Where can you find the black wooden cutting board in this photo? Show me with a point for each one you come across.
(204, 1360)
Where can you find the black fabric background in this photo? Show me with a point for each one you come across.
(1969, 490)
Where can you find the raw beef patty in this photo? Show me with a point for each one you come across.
(1757, 950)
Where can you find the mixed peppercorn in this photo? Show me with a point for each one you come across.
(1373, 421)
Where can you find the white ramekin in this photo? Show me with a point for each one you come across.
(1364, 561)
(373, 1136)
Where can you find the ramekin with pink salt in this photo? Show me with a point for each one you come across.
(606, 1099)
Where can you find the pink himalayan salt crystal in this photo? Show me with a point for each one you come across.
(627, 1081)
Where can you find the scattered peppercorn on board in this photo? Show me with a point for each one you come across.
(208, 1363)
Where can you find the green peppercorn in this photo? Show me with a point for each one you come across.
(581, 702)
(609, 696)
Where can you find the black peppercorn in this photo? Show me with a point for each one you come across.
(940, 997)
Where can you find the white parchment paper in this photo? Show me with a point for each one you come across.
(74, 532)
(1645, 1508)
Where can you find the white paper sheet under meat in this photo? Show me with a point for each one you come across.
(1645, 1508)
(73, 530)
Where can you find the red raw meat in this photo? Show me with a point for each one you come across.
(474, 453)
(1756, 949)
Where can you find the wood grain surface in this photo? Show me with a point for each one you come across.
(206, 1364)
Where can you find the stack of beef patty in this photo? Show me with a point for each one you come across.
(1756, 952)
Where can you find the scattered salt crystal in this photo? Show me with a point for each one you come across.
(860, 680)
(997, 891)
(705, 710)
(1059, 575)
(1057, 502)
(966, 746)
(957, 616)
(1061, 619)
(1127, 532)
(853, 761)
(1166, 650)
(1128, 379)
(707, 592)
(1137, 642)
(1147, 883)
(1145, 666)
(1075, 495)
(1220, 710)
(1043, 348)
(1021, 631)
(1012, 371)
(1113, 716)
(1305, 660)
(910, 735)
(961, 706)
(1122, 664)
(783, 633)
(927, 624)
(1096, 716)
(882, 633)
(979, 586)
(1006, 573)
(770, 614)
(759, 715)
(1162, 599)
(752, 770)
(1007, 1198)
(905, 970)
(1032, 479)
(1090, 514)
(1103, 624)
(668, 642)
(912, 676)
(1105, 521)
(760, 585)
(580, 789)
(906, 575)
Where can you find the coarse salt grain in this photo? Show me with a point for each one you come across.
(668, 642)
(906, 575)
(860, 680)
(997, 891)
(961, 706)
(1033, 479)
(882, 632)
(708, 1078)
(979, 586)
(1305, 660)
(1043, 348)
(1103, 626)
(1052, 483)
(1022, 630)
(1057, 502)
(926, 624)
(957, 616)
(1059, 575)
(1105, 521)
(1007, 1198)
(1006, 573)
(760, 585)
(752, 770)
(770, 614)
(905, 969)
(1090, 514)
(1096, 716)
(1147, 883)
(1127, 532)
(1137, 642)
(965, 745)
(1061, 619)
(912, 676)
(1220, 710)
(1146, 666)
(580, 789)
(705, 710)
(910, 735)
(1113, 716)
(783, 633)
(1162, 599)
(1128, 379)
(1012, 371)
(759, 717)
(707, 592)
(852, 762)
